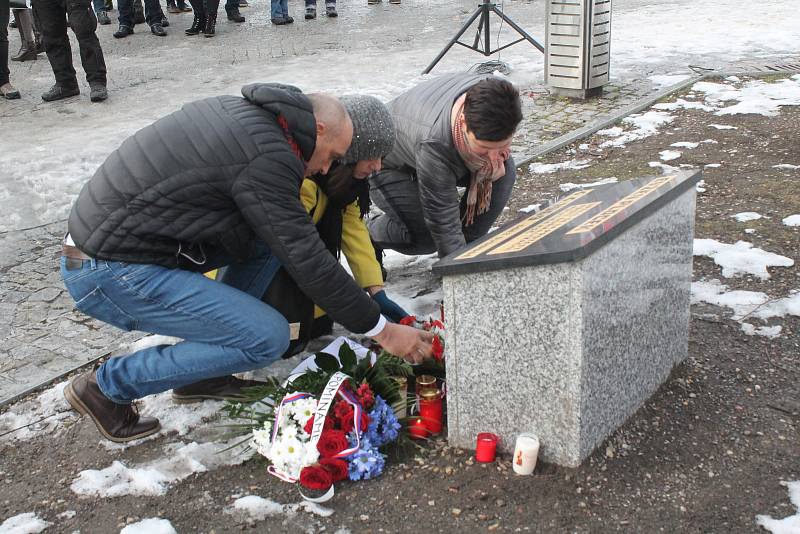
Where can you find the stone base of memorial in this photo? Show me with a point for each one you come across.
(564, 323)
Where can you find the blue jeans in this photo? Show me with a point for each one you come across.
(225, 326)
(279, 9)
(99, 5)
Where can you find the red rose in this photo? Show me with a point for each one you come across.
(438, 348)
(336, 467)
(331, 443)
(347, 424)
(310, 424)
(408, 320)
(315, 477)
(365, 396)
(342, 411)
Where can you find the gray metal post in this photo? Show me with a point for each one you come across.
(578, 46)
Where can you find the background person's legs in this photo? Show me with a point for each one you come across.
(4, 72)
(83, 22)
(401, 226)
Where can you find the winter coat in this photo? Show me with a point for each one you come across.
(424, 147)
(227, 176)
(356, 245)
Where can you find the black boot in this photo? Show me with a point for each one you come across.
(211, 25)
(234, 15)
(198, 25)
(57, 92)
(123, 31)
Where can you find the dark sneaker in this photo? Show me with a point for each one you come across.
(98, 92)
(103, 18)
(234, 15)
(311, 12)
(330, 10)
(123, 32)
(117, 422)
(222, 388)
(164, 21)
(279, 21)
(157, 29)
(57, 92)
(289, 19)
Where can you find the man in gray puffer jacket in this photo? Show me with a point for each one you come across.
(452, 132)
(151, 220)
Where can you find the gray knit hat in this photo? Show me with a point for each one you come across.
(373, 128)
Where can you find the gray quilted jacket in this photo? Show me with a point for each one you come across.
(208, 180)
(424, 147)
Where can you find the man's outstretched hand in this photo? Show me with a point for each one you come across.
(411, 344)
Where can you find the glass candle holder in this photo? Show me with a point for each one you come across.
(417, 429)
(486, 447)
(430, 409)
(425, 382)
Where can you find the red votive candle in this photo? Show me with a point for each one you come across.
(430, 409)
(486, 448)
(417, 429)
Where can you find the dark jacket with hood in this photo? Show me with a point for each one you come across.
(212, 178)
(424, 148)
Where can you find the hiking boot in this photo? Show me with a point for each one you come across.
(330, 9)
(164, 21)
(158, 29)
(234, 15)
(279, 21)
(58, 92)
(221, 388)
(26, 52)
(123, 32)
(103, 19)
(288, 19)
(98, 92)
(198, 25)
(311, 12)
(117, 422)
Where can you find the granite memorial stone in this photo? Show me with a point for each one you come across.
(563, 323)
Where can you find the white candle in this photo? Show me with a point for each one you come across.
(526, 452)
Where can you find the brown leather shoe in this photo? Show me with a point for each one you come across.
(222, 388)
(117, 422)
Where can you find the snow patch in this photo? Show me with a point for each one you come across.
(569, 186)
(43, 414)
(740, 258)
(792, 220)
(530, 208)
(747, 216)
(669, 155)
(683, 104)
(154, 478)
(154, 525)
(787, 525)
(69, 514)
(700, 187)
(754, 97)
(766, 331)
(256, 507)
(745, 303)
(710, 141)
(788, 166)
(713, 165)
(685, 144)
(665, 169)
(549, 168)
(28, 523)
(723, 127)
(643, 125)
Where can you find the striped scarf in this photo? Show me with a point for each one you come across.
(485, 170)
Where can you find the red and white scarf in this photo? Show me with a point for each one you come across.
(485, 170)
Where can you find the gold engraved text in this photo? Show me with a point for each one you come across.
(508, 233)
(620, 205)
(549, 226)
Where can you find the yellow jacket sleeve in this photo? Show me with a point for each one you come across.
(358, 248)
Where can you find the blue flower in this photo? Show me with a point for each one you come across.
(383, 425)
(365, 464)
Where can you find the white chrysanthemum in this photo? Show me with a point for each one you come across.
(303, 409)
(312, 456)
(293, 450)
(290, 432)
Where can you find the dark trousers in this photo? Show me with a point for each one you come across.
(55, 16)
(4, 12)
(402, 226)
(203, 7)
(152, 12)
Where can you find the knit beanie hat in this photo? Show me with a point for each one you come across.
(373, 128)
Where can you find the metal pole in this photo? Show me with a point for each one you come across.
(463, 29)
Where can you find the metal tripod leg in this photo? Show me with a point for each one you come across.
(463, 29)
(519, 30)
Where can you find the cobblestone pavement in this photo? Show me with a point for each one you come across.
(42, 335)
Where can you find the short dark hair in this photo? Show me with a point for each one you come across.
(492, 109)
